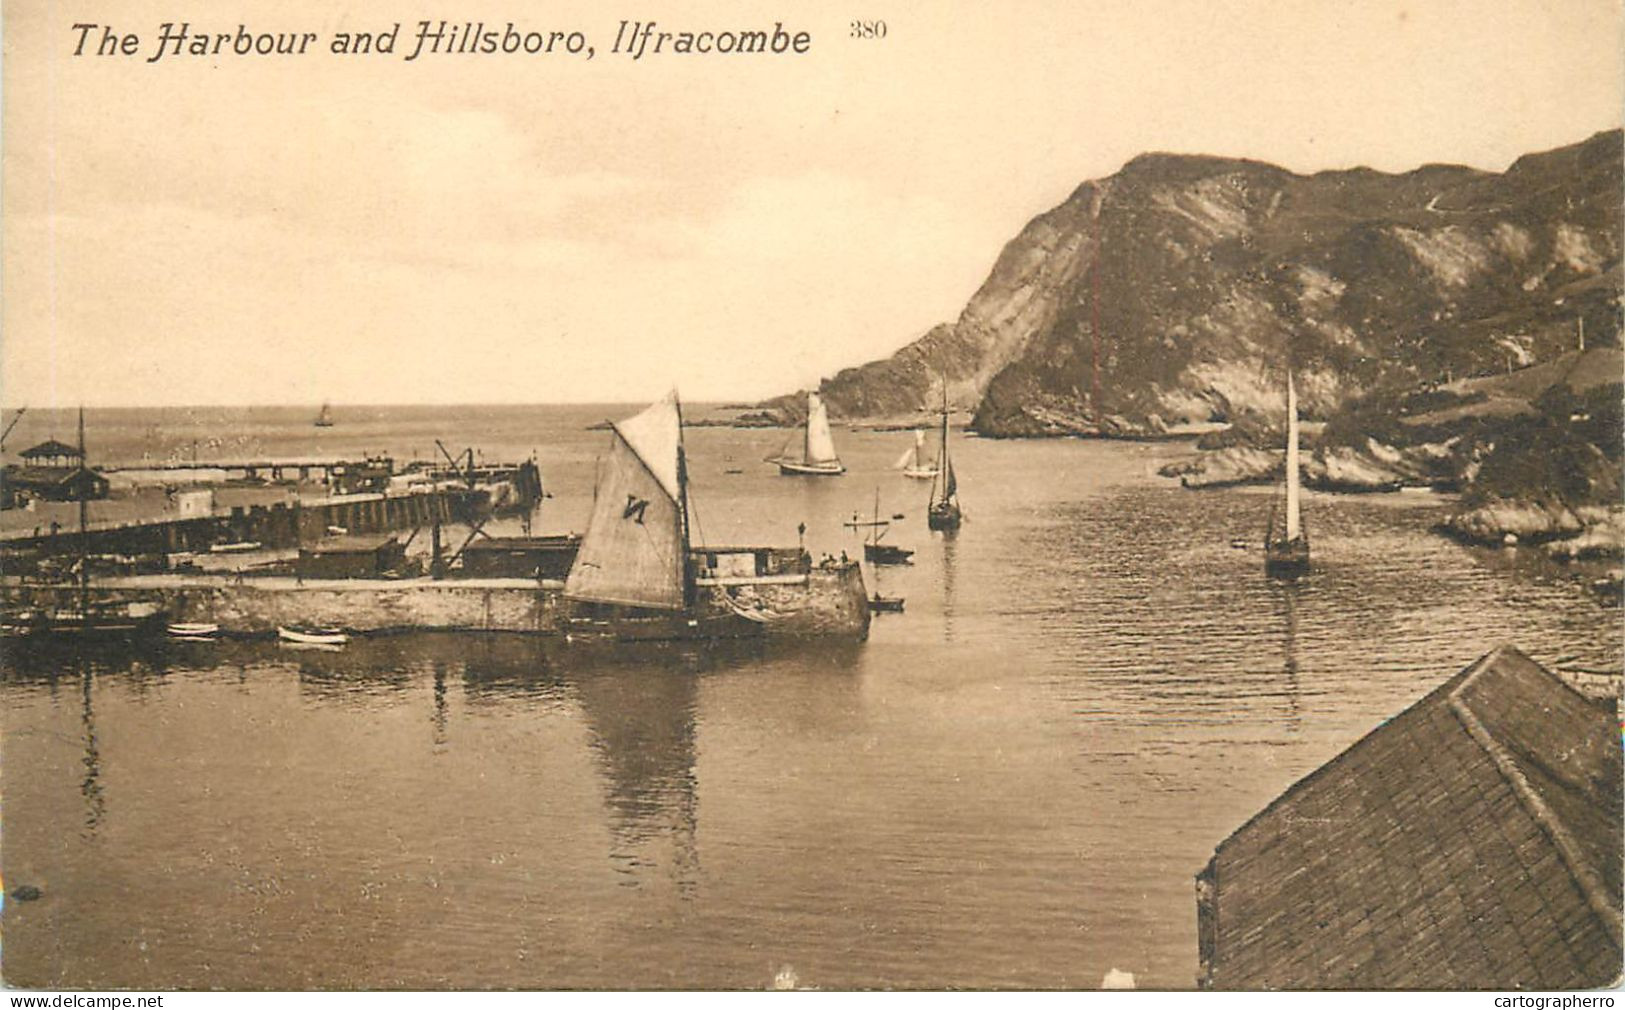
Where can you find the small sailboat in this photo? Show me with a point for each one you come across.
(817, 456)
(1286, 544)
(324, 418)
(913, 462)
(309, 635)
(877, 553)
(944, 513)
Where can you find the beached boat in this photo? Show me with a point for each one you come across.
(913, 462)
(1286, 543)
(815, 455)
(309, 635)
(324, 418)
(637, 576)
(943, 513)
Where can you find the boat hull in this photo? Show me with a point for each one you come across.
(943, 518)
(311, 636)
(885, 554)
(1286, 560)
(919, 474)
(788, 469)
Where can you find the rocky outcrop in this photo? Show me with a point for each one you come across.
(1238, 464)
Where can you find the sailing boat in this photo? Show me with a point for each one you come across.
(82, 617)
(944, 512)
(1286, 549)
(877, 553)
(637, 577)
(324, 419)
(818, 458)
(913, 463)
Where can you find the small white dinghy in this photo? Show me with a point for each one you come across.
(305, 635)
(196, 632)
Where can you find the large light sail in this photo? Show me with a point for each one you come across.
(633, 552)
(820, 445)
(1292, 520)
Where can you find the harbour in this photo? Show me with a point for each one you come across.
(713, 817)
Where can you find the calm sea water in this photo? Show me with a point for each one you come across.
(1010, 785)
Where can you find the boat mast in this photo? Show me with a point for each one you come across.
(682, 509)
(944, 468)
(1292, 520)
(84, 528)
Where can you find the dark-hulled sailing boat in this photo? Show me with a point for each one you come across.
(1286, 542)
(877, 553)
(943, 513)
(324, 417)
(638, 577)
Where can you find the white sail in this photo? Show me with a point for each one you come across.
(911, 455)
(634, 550)
(1293, 523)
(820, 446)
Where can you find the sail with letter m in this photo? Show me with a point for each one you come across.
(635, 549)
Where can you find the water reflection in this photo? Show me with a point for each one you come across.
(642, 723)
(91, 786)
(1285, 599)
(949, 547)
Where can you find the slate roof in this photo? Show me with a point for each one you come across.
(1471, 842)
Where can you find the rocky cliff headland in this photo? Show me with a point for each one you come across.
(1432, 320)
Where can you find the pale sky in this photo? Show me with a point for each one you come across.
(363, 229)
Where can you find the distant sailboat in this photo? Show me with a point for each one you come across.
(817, 457)
(1286, 548)
(913, 462)
(944, 512)
(324, 419)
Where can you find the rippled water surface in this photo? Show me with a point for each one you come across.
(1011, 784)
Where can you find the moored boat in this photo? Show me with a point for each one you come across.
(913, 462)
(817, 456)
(944, 513)
(638, 577)
(91, 620)
(194, 630)
(886, 604)
(1286, 546)
(311, 635)
(876, 552)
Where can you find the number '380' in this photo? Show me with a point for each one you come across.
(868, 29)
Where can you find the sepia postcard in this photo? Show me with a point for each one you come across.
(891, 495)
